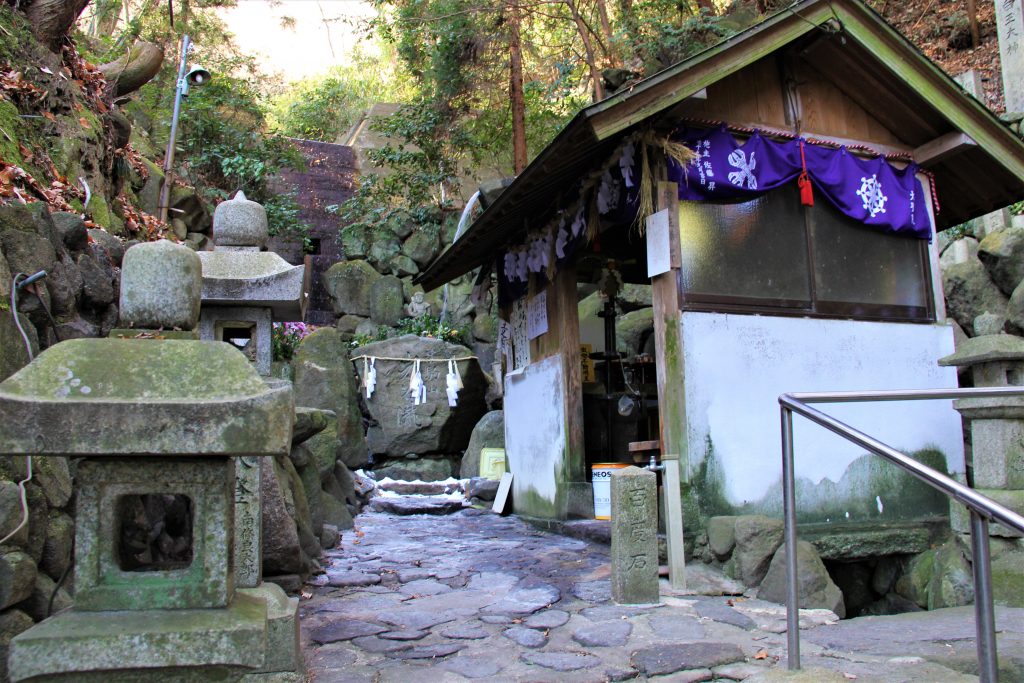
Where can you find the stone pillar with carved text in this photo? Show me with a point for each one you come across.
(634, 536)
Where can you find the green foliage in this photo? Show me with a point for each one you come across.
(433, 327)
(666, 35)
(424, 326)
(223, 142)
(325, 107)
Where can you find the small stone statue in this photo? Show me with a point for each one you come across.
(417, 307)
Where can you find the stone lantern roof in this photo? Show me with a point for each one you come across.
(181, 398)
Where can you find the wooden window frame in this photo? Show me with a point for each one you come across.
(817, 308)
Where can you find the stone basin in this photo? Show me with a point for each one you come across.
(113, 397)
(254, 278)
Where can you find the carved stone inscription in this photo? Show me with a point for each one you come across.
(248, 556)
(634, 539)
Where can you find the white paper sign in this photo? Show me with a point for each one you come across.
(504, 338)
(520, 341)
(537, 315)
(659, 250)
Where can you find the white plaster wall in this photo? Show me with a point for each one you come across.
(535, 427)
(737, 366)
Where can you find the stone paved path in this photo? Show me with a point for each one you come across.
(478, 596)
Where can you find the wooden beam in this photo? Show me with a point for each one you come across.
(931, 153)
(671, 390)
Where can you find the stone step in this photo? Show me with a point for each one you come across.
(422, 488)
(417, 505)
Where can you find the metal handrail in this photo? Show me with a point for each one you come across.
(983, 509)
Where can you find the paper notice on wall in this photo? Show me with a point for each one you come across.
(659, 250)
(537, 315)
(520, 340)
(504, 338)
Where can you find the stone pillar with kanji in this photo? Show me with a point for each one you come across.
(634, 536)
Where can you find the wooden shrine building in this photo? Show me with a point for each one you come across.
(796, 174)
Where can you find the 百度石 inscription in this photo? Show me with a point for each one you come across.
(634, 540)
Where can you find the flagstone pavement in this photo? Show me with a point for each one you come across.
(478, 596)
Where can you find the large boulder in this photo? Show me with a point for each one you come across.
(27, 236)
(433, 426)
(421, 246)
(1015, 311)
(1002, 253)
(939, 577)
(970, 292)
(17, 577)
(324, 380)
(282, 550)
(387, 301)
(489, 432)
(814, 585)
(757, 539)
(632, 330)
(348, 284)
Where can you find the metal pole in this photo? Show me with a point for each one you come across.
(165, 187)
(984, 614)
(789, 514)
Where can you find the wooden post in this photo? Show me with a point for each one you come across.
(671, 390)
(563, 338)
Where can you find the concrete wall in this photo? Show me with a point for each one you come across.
(737, 365)
(535, 439)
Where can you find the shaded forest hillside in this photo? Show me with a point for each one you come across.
(941, 30)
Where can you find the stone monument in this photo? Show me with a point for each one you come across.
(161, 426)
(1010, 29)
(997, 451)
(634, 536)
(244, 289)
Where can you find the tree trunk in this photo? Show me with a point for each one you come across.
(134, 70)
(606, 30)
(515, 90)
(52, 19)
(588, 48)
(108, 12)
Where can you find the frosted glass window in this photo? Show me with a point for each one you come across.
(755, 249)
(761, 255)
(858, 264)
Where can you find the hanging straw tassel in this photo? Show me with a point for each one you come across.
(661, 149)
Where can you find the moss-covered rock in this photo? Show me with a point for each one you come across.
(386, 301)
(348, 284)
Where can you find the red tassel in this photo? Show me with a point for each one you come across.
(803, 181)
(806, 189)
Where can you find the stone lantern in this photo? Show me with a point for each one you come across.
(161, 426)
(245, 289)
(997, 450)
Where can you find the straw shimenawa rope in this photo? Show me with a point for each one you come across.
(662, 148)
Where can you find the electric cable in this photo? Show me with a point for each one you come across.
(16, 283)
